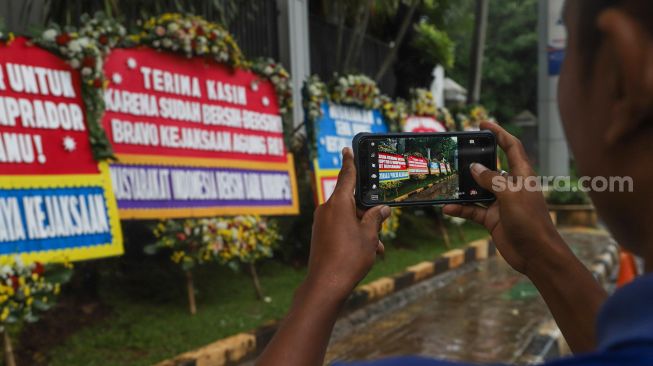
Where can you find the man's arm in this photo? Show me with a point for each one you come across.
(572, 294)
(522, 230)
(343, 249)
(304, 335)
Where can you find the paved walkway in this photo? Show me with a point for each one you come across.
(485, 314)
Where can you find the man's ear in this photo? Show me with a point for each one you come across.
(631, 47)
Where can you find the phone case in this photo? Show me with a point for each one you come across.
(361, 136)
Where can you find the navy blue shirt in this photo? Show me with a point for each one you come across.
(624, 333)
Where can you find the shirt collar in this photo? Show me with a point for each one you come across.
(627, 316)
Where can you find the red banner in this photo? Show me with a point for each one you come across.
(161, 104)
(194, 138)
(417, 165)
(391, 162)
(42, 119)
(56, 202)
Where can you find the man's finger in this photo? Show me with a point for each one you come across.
(489, 179)
(474, 213)
(517, 158)
(374, 217)
(347, 176)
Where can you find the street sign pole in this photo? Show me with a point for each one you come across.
(553, 150)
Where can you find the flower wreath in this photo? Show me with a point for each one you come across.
(229, 241)
(194, 36)
(422, 103)
(354, 90)
(84, 50)
(29, 289)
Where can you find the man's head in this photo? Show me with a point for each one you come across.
(606, 104)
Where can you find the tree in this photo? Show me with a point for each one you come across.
(510, 73)
(510, 61)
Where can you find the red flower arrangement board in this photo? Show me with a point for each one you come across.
(194, 138)
(56, 201)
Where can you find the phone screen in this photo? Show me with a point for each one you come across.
(421, 169)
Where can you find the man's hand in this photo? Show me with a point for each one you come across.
(343, 249)
(344, 243)
(519, 220)
(522, 230)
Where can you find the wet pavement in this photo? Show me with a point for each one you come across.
(442, 190)
(485, 314)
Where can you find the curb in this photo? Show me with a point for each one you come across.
(548, 343)
(246, 345)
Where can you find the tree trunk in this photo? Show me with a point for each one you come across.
(361, 35)
(257, 284)
(390, 58)
(359, 32)
(443, 231)
(192, 307)
(461, 233)
(341, 14)
(10, 360)
(476, 57)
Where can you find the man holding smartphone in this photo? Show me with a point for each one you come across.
(606, 103)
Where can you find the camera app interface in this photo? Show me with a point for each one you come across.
(424, 169)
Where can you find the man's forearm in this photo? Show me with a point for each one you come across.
(572, 294)
(304, 334)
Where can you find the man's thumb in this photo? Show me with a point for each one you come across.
(486, 178)
(374, 217)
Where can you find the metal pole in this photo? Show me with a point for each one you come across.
(553, 149)
(294, 48)
(478, 48)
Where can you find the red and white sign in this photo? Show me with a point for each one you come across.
(164, 105)
(422, 124)
(194, 138)
(42, 120)
(391, 162)
(417, 165)
(56, 202)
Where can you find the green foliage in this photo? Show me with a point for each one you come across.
(510, 64)
(571, 195)
(436, 45)
(510, 59)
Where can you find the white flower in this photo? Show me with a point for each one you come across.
(86, 71)
(75, 46)
(50, 34)
(74, 63)
(167, 42)
(173, 27)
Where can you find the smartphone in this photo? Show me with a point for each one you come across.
(420, 169)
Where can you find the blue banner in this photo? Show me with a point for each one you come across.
(392, 176)
(338, 126)
(35, 220)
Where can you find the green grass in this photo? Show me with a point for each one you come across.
(150, 320)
